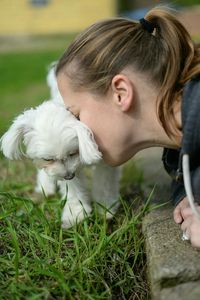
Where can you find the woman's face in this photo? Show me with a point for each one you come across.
(103, 117)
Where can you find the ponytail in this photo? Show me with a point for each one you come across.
(181, 62)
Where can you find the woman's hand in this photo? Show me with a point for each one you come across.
(190, 222)
(178, 211)
(191, 226)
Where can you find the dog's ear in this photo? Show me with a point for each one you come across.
(11, 141)
(52, 84)
(88, 149)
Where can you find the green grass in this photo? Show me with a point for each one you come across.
(95, 259)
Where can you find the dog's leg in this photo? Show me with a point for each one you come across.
(45, 184)
(105, 188)
(62, 185)
(78, 205)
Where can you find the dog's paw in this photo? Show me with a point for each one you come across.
(74, 213)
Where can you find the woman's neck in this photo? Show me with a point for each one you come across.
(149, 130)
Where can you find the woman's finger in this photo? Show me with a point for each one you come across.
(187, 212)
(186, 224)
(178, 218)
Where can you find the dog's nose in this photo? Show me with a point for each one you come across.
(69, 176)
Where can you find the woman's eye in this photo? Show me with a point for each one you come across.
(76, 116)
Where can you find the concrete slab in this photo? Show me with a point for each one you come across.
(171, 261)
(173, 264)
(184, 291)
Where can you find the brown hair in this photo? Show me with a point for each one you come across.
(168, 56)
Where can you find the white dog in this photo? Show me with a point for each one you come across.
(60, 145)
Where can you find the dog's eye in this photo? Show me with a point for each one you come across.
(48, 159)
(73, 154)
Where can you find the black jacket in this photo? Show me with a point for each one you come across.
(172, 159)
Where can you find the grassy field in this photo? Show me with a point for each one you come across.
(93, 260)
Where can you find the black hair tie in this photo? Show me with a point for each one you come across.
(147, 25)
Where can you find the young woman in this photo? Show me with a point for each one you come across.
(137, 85)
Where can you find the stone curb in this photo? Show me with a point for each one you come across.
(173, 264)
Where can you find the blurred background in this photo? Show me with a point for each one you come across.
(28, 17)
(33, 33)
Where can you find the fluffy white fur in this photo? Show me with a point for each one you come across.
(60, 145)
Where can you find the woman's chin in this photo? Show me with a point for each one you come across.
(113, 161)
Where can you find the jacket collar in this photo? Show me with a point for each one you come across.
(191, 117)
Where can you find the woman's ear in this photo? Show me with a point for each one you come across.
(123, 92)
